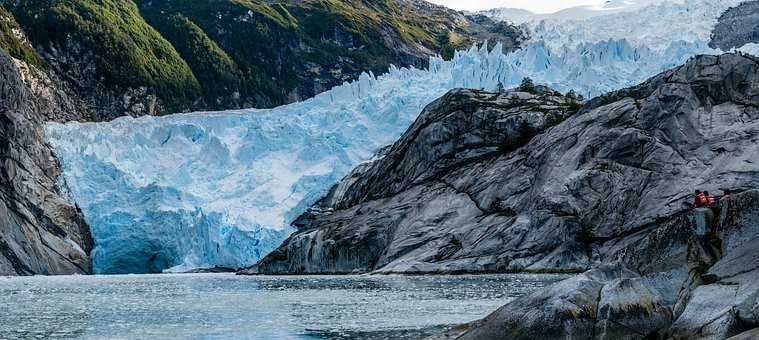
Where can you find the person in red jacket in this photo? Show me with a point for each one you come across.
(700, 199)
(710, 200)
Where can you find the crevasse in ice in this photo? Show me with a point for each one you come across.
(220, 188)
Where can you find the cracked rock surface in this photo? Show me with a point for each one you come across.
(466, 189)
(41, 232)
(409, 211)
(708, 290)
(737, 27)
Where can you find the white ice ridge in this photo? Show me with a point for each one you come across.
(654, 23)
(220, 189)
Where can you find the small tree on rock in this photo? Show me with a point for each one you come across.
(527, 85)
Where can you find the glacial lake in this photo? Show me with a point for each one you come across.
(225, 306)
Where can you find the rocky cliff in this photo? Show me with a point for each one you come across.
(694, 278)
(40, 231)
(737, 26)
(465, 191)
(518, 181)
(405, 212)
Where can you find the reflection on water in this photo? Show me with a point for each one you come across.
(259, 307)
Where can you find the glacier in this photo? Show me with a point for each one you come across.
(582, 12)
(206, 189)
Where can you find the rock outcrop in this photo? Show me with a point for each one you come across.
(404, 212)
(463, 190)
(41, 232)
(692, 279)
(737, 26)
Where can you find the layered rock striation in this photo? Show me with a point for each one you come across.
(41, 232)
(692, 279)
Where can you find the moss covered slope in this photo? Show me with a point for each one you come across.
(161, 56)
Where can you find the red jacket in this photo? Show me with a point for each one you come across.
(701, 200)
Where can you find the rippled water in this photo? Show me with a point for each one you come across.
(220, 306)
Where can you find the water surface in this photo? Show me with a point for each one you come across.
(225, 306)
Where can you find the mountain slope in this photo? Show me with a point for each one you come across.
(559, 203)
(163, 56)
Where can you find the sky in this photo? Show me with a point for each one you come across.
(537, 6)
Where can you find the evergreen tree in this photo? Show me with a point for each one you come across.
(527, 85)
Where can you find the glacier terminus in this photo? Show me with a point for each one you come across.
(196, 190)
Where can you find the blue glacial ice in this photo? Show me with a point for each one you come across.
(210, 189)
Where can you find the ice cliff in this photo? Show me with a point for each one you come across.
(221, 188)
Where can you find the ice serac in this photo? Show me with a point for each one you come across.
(221, 189)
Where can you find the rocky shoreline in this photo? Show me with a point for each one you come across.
(41, 231)
(693, 279)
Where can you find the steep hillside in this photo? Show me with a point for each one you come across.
(41, 232)
(162, 56)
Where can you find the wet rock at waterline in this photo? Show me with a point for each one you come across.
(708, 291)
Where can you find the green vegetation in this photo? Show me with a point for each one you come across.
(218, 54)
(527, 85)
(217, 73)
(268, 49)
(10, 42)
(128, 52)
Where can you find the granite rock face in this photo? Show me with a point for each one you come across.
(707, 291)
(737, 26)
(404, 212)
(41, 232)
(466, 189)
